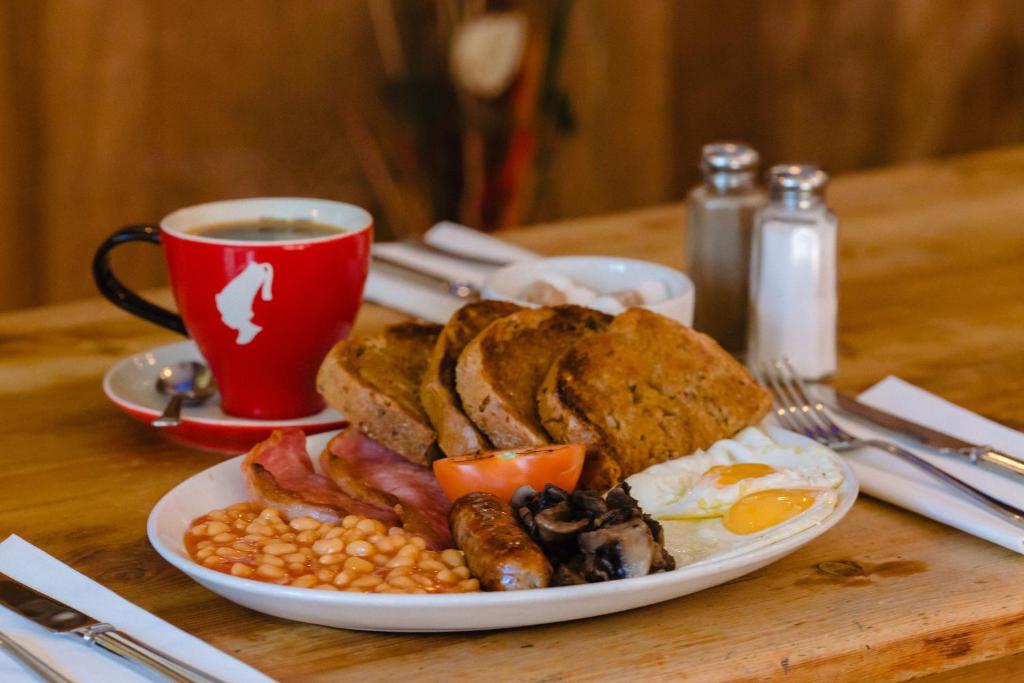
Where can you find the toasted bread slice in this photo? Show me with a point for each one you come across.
(600, 469)
(647, 390)
(374, 381)
(456, 433)
(499, 372)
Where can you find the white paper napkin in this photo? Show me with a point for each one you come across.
(885, 476)
(469, 242)
(26, 563)
(389, 286)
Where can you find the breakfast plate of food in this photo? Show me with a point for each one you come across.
(515, 466)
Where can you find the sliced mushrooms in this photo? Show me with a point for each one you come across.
(588, 538)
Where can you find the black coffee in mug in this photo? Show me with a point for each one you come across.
(265, 230)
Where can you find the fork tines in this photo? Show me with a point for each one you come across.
(795, 409)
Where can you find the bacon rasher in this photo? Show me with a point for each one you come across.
(369, 471)
(279, 473)
(362, 478)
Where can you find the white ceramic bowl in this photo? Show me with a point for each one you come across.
(222, 485)
(602, 274)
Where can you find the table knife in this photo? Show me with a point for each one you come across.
(60, 618)
(943, 443)
(456, 288)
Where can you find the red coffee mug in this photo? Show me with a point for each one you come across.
(263, 313)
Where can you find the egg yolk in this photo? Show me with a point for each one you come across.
(766, 508)
(726, 475)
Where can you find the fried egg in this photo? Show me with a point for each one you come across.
(708, 483)
(740, 493)
(756, 520)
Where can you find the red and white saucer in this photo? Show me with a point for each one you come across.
(131, 385)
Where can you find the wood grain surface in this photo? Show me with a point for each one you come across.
(931, 290)
(120, 111)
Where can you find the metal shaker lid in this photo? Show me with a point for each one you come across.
(802, 178)
(728, 156)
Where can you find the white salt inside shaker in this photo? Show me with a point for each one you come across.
(793, 276)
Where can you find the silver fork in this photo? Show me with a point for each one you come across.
(797, 412)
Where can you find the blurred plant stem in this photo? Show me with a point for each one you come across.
(474, 109)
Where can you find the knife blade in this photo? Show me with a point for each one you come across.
(944, 443)
(40, 608)
(57, 617)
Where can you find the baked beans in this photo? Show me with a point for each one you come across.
(359, 555)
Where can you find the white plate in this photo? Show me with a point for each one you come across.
(222, 485)
(131, 385)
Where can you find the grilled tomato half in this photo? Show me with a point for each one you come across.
(502, 472)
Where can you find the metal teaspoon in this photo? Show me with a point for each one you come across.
(188, 383)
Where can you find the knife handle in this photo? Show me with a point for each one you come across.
(1008, 512)
(1001, 460)
(124, 645)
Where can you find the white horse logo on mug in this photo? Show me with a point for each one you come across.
(236, 299)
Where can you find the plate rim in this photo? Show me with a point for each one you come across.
(848, 493)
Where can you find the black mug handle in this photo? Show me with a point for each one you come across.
(122, 297)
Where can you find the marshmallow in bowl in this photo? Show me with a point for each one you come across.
(581, 296)
(607, 304)
(558, 281)
(552, 289)
(652, 291)
(543, 293)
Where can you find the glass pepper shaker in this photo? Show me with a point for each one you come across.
(793, 275)
(720, 221)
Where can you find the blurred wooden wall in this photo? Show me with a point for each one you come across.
(118, 111)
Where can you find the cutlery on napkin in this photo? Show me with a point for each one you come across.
(28, 564)
(885, 477)
(389, 287)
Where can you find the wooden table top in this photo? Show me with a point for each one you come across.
(931, 289)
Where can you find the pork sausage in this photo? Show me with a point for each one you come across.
(498, 551)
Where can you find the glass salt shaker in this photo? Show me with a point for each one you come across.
(720, 221)
(793, 275)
